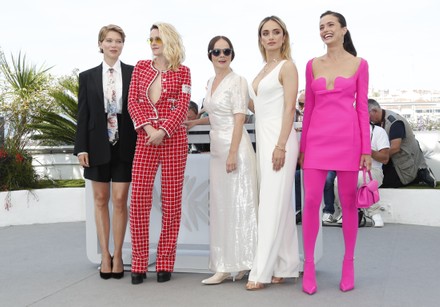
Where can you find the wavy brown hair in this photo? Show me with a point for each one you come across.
(285, 48)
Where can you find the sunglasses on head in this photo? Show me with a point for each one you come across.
(156, 39)
(217, 52)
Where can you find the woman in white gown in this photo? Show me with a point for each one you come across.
(233, 182)
(273, 94)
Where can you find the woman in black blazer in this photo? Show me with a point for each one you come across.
(103, 93)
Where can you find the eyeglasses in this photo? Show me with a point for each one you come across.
(217, 52)
(156, 39)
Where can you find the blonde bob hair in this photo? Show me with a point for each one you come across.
(285, 48)
(173, 48)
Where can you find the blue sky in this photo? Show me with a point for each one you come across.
(398, 39)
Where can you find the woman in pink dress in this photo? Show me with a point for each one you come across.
(335, 136)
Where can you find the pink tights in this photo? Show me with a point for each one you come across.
(314, 181)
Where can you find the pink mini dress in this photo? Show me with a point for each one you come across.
(336, 121)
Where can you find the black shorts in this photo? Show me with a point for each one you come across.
(115, 171)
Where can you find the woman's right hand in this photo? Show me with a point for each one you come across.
(155, 138)
(301, 159)
(84, 159)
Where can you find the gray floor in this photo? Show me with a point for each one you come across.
(46, 265)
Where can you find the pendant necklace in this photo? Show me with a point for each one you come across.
(268, 64)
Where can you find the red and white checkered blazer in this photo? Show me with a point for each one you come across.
(170, 111)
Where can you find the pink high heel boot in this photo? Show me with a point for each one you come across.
(347, 279)
(309, 278)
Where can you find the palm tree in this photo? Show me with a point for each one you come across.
(58, 127)
(24, 94)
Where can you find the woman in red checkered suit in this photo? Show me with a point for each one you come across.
(158, 103)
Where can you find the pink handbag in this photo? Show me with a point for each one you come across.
(368, 193)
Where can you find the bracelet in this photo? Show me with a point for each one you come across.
(280, 148)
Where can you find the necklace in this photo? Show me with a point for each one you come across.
(268, 65)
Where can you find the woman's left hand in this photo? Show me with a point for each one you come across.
(231, 163)
(278, 158)
(156, 137)
(365, 162)
(190, 123)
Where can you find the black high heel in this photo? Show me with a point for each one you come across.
(118, 275)
(106, 275)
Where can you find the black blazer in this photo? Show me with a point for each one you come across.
(91, 131)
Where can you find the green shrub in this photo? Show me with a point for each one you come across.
(65, 183)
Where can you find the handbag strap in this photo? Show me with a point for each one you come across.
(364, 172)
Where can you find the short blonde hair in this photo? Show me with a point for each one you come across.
(285, 48)
(173, 50)
(104, 31)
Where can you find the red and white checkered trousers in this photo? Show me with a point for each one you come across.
(171, 155)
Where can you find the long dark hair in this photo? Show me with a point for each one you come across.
(348, 43)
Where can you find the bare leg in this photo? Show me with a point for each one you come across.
(101, 195)
(119, 221)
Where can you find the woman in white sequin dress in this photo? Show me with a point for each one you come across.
(233, 182)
